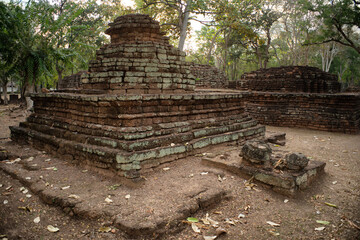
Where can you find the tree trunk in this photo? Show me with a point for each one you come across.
(183, 25)
(4, 87)
(29, 88)
(212, 44)
(259, 57)
(226, 36)
(266, 60)
(59, 72)
(328, 53)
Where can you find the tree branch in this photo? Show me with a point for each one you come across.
(351, 43)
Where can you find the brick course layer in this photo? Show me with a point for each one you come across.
(72, 81)
(208, 76)
(128, 133)
(290, 79)
(328, 112)
(139, 60)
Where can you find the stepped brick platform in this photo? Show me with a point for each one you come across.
(208, 76)
(137, 108)
(290, 79)
(138, 60)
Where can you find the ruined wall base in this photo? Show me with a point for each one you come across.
(327, 112)
(130, 133)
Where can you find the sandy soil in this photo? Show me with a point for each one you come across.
(242, 215)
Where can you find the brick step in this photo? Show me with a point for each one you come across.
(147, 143)
(135, 133)
(127, 164)
(112, 118)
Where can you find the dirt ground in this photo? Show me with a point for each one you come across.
(329, 209)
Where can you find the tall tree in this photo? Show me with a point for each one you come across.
(341, 21)
(8, 37)
(175, 15)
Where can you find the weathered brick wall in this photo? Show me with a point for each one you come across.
(208, 76)
(290, 79)
(139, 60)
(131, 132)
(72, 81)
(329, 112)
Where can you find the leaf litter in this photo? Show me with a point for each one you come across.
(52, 229)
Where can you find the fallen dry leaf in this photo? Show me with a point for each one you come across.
(331, 205)
(37, 220)
(209, 237)
(273, 224)
(104, 229)
(353, 224)
(323, 222)
(73, 196)
(273, 232)
(195, 228)
(27, 209)
(52, 229)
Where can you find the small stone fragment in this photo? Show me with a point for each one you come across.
(37, 220)
(296, 161)
(256, 151)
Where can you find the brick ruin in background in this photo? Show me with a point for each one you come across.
(137, 107)
(290, 79)
(72, 81)
(207, 76)
(300, 96)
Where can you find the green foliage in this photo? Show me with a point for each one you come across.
(42, 39)
(346, 66)
(340, 21)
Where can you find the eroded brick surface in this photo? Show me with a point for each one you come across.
(207, 76)
(327, 112)
(139, 60)
(72, 81)
(290, 79)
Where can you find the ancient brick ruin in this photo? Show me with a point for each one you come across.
(207, 76)
(290, 79)
(72, 81)
(299, 96)
(327, 112)
(137, 107)
(139, 60)
(284, 172)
